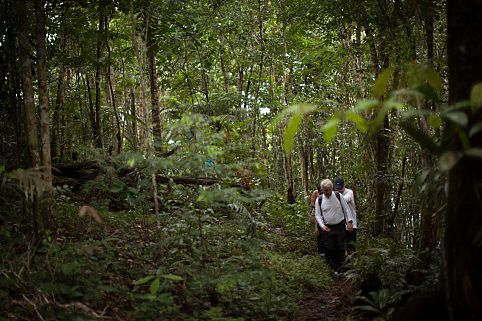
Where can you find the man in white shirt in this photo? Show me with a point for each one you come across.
(347, 193)
(334, 217)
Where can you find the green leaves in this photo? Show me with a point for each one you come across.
(297, 113)
(290, 132)
(382, 82)
(476, 96)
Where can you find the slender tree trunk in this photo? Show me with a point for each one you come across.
(134, 118)
(111, 80)
(255, 107)
(27, 86)
(137, 46)
(223, 67)
(98, 70)
(44, 111)
(156, 119)
(240, 85)
(29, 103)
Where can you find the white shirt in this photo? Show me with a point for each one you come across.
(350, 200)
(332, 210)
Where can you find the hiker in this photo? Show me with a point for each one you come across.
(347, 193)
(319, 235)
(334, 216)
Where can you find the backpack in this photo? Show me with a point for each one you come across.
(320, 200)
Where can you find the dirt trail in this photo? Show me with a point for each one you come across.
(332, 304)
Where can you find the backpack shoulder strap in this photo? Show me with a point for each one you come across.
(338, 196)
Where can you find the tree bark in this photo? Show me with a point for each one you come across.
(463, 250)
(156, 119)
(44, 112)
(98, 70)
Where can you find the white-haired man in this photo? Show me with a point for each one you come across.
(334, 216)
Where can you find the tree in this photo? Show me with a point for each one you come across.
(463, 246)
(44, 110)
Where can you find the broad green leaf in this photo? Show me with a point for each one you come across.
(457, 117)
(428, 92)
(329, 129)
(131, 162)
(475, 129)
(367, 308)
(476, 96)
(143, 280)
(367, 104)
(358, 120)
(172, 277)
(474, 152)
(433, 78)
(393, 104)
(290, 131)
(116, 189)
(425, 141)
(449, 159)
(434, 121)
(382, 82)
(155, 286)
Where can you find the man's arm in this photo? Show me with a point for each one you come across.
(348, 213)
(318, 214)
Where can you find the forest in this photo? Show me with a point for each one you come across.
(157, 158)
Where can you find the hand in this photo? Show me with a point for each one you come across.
(326, 229)
(350, 227)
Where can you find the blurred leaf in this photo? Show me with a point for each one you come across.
(475, 129)
(434, 120)
(449, 159)
(457, 117)
(433, 78)
(367, 104)
(172, 277)
(422, 138)
(476, 96)
(131, 162)
(358, 120)
(290, 131)
(329, 129)
(144, 280)
(155, 286)
(428, 92)
(474, 152)
(382, 82)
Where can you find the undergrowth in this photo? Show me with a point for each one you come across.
(198, 260)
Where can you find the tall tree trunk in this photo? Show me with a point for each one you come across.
(223, 67)
(111, 81)
(428, 229)
(156, 119)
(255, 107)
(134, 118)
(29, 103)
(44, 112)
(98, 71)
(27, 86)
(138, 46)
(463, 249)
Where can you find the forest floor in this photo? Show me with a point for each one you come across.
(332, 304)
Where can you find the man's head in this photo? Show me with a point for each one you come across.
(339, 184)
(326, 187)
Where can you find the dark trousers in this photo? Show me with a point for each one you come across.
(320, 240)
(350, 241)
(335, 245)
